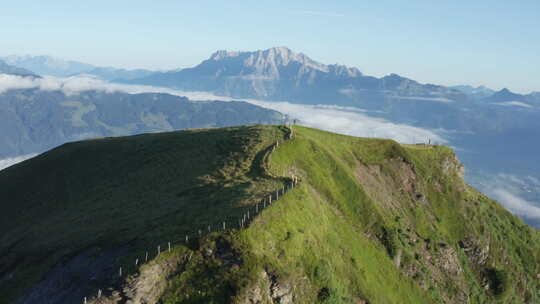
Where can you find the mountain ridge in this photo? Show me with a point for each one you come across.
(281, 74)
(371, 221)
(52, 66)
(36, 120)
(16, 71)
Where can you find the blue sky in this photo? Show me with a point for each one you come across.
(493, 43)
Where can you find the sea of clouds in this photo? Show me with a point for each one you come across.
(344, 120)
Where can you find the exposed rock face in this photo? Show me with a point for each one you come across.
(269, 289)
(146, 287)
(389, 190)
(452, 165)
(281, 292)
(271, 61)
(396, 185)
(449, 261)
(279, 73)
(476, 253)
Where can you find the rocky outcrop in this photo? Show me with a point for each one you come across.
(146, 286)
(451, 165)
(268, 289)
(476, 252)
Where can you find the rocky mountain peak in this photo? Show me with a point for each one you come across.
(504, 95)
(222, 54)
(272, 58)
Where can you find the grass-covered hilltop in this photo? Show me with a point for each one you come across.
(369, 221)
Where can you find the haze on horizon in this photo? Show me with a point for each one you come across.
(491, 43)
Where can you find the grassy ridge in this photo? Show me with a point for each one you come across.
(126, 192)
(321, 228)
(371, 220)
(336, 240)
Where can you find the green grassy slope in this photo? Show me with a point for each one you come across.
(407, 201)
(128, 192)
(406, 230)
(371, 220)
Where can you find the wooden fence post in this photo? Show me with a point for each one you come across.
(158, 250)
(136, 262)
(120, 272)
(223, 226)
(146, 257)
(169, 246)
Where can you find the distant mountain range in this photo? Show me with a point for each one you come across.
(280, 74)
(475, 92)
(47, 65)
(274, 74)
(13, 70)
(34, 120)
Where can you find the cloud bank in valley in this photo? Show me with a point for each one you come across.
(72, 85)
(516, 204)
(519, 194)
(344, 120)
(514, 104)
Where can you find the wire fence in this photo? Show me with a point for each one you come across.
(242, 221)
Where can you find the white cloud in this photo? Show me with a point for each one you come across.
(8, 82)
(534, 180)
(516, 204)
(419, 98)
(344, 120)
(519, 194)
(514, 104)
(8, 162)
(73, 85)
